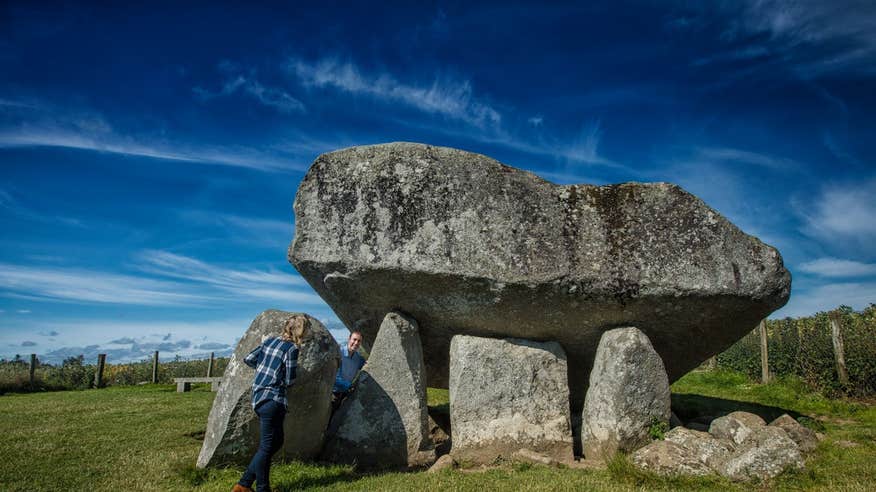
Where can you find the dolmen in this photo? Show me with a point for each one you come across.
(557, 317)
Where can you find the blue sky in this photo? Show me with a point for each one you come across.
(149, 156)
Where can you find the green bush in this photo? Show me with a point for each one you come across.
(74, 374)
(803, 347)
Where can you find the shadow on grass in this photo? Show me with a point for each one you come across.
(697, 407)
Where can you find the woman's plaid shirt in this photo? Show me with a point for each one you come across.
(275, 361)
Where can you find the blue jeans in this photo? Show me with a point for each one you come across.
(271, 415)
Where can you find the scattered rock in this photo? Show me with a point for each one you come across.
(702, 445)
(846, 444)
(506, 395)
(765, 453)
(384, 421)
(530, 456)
(442, 463)
(467, 245)
(628, 392)
(233, 427)
(669, 458)
(805, 438)
(736, 427)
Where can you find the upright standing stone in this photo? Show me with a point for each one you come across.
(233, 427)
(384, 422)
(506, 395)
(628, 392)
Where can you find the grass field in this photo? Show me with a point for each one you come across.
(147, 438)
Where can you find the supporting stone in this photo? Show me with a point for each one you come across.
(628, 393)
(384, 423)
(233, 427)
(506, 395)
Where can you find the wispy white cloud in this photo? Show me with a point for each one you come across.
(726, 154)
(830, 296)
(842, 213)
(451, 98)
(252, 284)
(536, 120)
(272, 97)
(14, 207)
(251, 230)
(811, 36)
(181, 280)
(838, 151)
(44, 125)
(837, 267)
(747, 53)
(80, 285)
(586, 147)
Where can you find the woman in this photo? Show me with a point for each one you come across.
(275, 361)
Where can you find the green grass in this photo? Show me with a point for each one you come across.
(147, 438)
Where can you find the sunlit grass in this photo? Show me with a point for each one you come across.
(147, 438)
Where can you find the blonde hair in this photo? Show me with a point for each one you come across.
(296, 329)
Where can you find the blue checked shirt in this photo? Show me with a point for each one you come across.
(275, 361)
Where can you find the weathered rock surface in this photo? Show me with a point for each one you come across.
(736, 427)
(506, 395)
(384, 423)
(805, 438)
(705, 447)
(233, 427)
(467, 245)
(628, 392)
(443, 463)
(765, 453)
(669, 458)
(529, 456)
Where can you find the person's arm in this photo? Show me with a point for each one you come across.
(252, 360)
(341, 384)
(291, 365)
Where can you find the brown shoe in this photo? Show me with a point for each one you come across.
(240, 488)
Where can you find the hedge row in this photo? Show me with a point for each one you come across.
(803, 347)
(74, 373)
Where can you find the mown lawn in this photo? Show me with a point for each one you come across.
(147, 438)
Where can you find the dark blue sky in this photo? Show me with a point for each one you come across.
(149, 156)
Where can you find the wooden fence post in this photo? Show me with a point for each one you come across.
(155, 367)
(33, 360)
(713, 363)
(839, 354)
(210, 365)
(98, 374)
(764, 354)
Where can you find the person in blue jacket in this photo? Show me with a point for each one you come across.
(351, 362)
(275, 361)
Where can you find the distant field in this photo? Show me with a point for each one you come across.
(147, 438)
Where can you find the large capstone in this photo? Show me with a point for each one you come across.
(385, 421)
(233, 427)
(628, 394)
(507, 395)
(468, 245)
